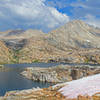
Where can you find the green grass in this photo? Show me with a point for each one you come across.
(35, 61)
(15, 58)
(87, 60)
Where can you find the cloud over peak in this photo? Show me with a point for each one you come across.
(46, 15)
(32, 13)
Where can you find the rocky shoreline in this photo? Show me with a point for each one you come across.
(60, 73)
(51, 93)
(3, 68)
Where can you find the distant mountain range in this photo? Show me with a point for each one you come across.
(75, 38)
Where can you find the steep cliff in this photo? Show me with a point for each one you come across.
(5, 55)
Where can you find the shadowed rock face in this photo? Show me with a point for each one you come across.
(16, 39)
(19, 34)
(15, 44)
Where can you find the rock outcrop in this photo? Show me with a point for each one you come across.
(61, 73)
(38, 49)
(35, 94)
(5, 55)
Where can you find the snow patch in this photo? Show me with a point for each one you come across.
(85, 86)
(88, 40)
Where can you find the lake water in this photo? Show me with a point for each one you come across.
(12, 80)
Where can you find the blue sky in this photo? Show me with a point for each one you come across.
(46, 15)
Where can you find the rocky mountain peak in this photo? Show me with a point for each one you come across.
(76, 34)
(78, 22)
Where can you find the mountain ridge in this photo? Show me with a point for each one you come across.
(76, 32)
(76, 41)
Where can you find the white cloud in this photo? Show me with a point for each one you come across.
(92, 20)
(32, 12)
(58, 3)
(87, 10)
(82, 8)
(1, 14)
